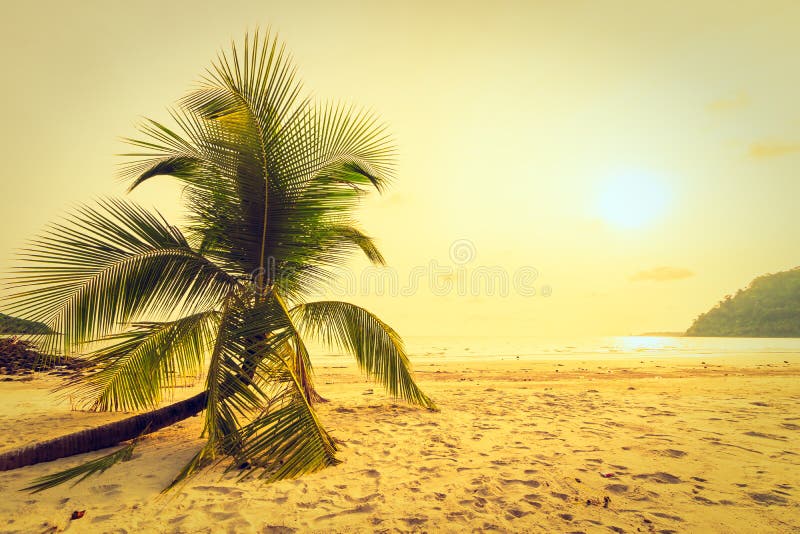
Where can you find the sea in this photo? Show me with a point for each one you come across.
(465, 348)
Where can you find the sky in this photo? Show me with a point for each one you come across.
(621, 165)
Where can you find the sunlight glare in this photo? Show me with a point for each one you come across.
(632, 200)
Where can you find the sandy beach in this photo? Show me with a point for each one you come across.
(562, 235)
(673, 445)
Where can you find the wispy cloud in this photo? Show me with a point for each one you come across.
(661, 274)
(729, 103)
(773, 149)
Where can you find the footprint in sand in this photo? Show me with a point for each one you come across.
(535, 504)
(515, 513)
(222, 516)
(460, 515)
(767, 436)
(107, 489)
(415, 521)
(276, 529)
(617, 488)
(365, 499)
(529, 483)
(221, 489)
(664, 478)
(360, 509)
(673, 453)
(768, 499)
(668, 516)
(478, 502)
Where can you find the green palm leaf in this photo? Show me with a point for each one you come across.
(288, 440)
(269, 176)
(83, 471)
(378, 349)
(250, 338)
(105, 267)
(137, 366)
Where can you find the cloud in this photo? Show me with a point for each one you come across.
(729, 104)
(661, 274)
(773, 150)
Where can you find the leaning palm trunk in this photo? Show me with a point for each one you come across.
(270, 181)
(101, 437)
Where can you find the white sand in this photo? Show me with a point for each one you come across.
(517, 446)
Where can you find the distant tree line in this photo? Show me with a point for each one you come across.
(14, 325)
(769, 307)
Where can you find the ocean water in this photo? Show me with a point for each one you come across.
(422, 348)
(596, 347)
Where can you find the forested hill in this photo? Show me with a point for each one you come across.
(13, 325)
(769, 307)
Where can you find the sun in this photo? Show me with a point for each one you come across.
(632, 200)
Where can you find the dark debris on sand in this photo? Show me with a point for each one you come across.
(19, 357)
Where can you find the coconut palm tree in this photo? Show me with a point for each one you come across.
(270, 181)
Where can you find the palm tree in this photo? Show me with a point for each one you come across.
(270, 183)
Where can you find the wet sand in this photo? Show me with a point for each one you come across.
(518, 446)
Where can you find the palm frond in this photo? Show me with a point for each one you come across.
(248, 332)
(140, 363)
(105, 267)
(227, 384)
(288, 440)
(349, 233)
(83, 471)
(378, 349)
(268, 175)
(351, 143)
(295, 352)
(182, 166)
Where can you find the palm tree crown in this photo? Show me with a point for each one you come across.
(271, 180)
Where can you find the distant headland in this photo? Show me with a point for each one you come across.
(768, 307)
(14, 325)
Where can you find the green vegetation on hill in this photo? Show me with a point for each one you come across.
(769, 307)
(13, 325)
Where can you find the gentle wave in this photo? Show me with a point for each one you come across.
(422, 348)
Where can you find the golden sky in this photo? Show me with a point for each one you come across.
(641, 156)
